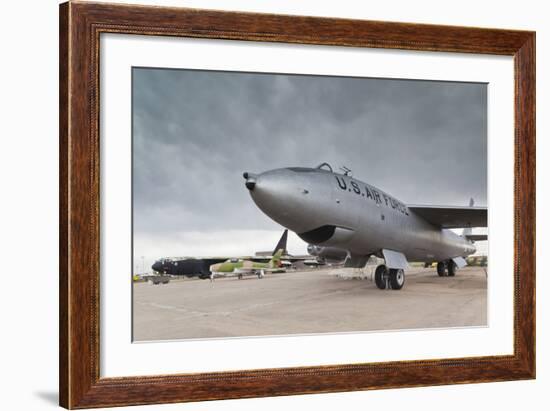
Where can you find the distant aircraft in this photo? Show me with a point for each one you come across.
(244, 267)
(191, 267)
(335, 210)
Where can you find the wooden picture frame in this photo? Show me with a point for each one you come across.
(80, 27)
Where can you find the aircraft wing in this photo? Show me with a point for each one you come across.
(452, 217)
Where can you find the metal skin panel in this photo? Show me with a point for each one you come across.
(337, 210)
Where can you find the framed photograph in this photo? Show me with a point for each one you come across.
(260, 205)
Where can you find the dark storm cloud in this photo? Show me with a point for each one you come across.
(195, 132)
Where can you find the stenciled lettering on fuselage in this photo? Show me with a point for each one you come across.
(370, 193)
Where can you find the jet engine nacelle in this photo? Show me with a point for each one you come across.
(328, 235)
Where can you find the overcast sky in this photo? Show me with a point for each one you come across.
(195, 132)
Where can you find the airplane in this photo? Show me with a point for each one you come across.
(242, 267)
(336, 210)
(190, 266)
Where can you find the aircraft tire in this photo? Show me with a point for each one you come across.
(451, 268)
(397, 279)
(240, 276)
(441, 269)
(379, 277)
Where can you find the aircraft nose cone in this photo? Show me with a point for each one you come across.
(250, 180)
(283, 195)
(157, 266)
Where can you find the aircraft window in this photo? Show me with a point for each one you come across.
(234, 260)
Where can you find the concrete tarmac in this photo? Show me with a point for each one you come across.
(304, 302)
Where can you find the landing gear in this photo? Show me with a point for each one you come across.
(446, 268)
(397, 279)
(380, 276)
(451, 268)
(389, 278)
(240, 276)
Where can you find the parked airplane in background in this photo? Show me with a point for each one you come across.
(244, 267)
(335, 210)
(200, 267)
(191, 266)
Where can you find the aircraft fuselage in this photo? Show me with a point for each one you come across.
(337, 210)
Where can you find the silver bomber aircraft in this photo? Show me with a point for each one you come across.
(332, 209)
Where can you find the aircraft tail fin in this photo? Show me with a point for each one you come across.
(281, 245)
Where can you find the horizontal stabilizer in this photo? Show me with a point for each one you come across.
(476, 237)
(452, 217)
(395, 259)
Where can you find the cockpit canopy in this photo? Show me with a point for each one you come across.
(326, 166)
